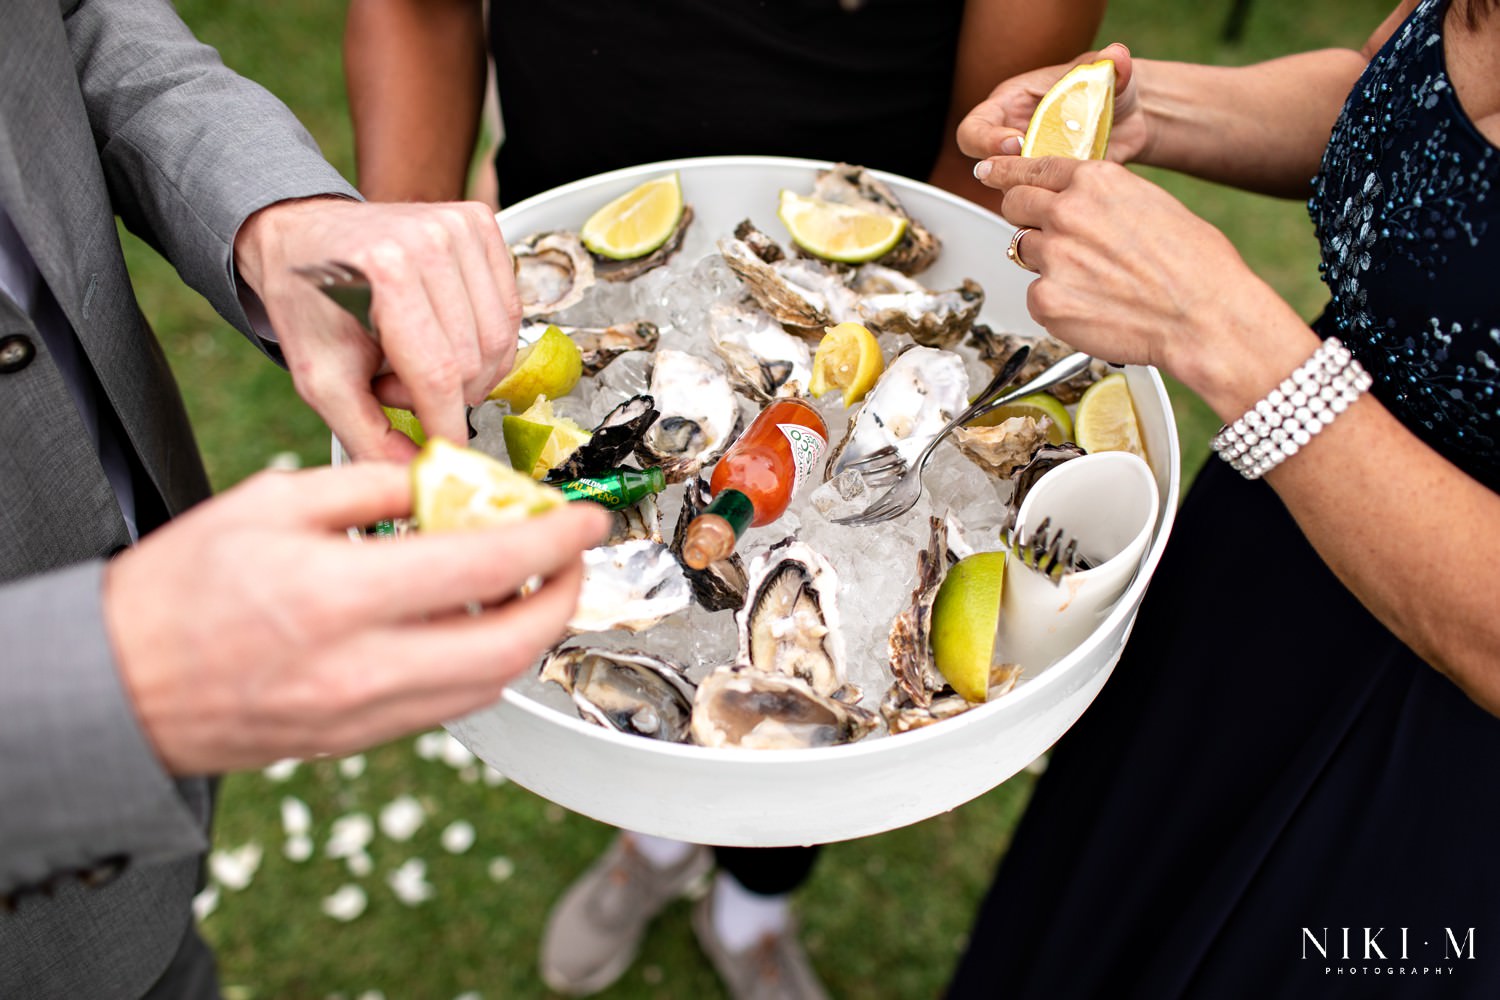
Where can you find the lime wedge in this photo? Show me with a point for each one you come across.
(538, 440)
(964, 615)
(839, 232)
(407, 423)
(551, 367)
(637, 222)
(1038, 406)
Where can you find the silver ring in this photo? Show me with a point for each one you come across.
(1013, 252)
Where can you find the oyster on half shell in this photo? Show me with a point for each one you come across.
(739, 707)
(599, 345)
(909, 645)
(790, 622)
(629, 586)
(625, 690)
(803, 294)
(918, 393)
(699, 418)
(553, 270)
(764, 361)
(891, 302)
(847, 184)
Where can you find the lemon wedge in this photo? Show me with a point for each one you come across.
(637, 222)
(537, 440)
(551, 367)
(964, 615)
(455, 489)
(848, 358)
(1074, 117)
(839, 232)
(1038, 406)
(1105, 419)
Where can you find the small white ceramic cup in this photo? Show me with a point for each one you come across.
(1108, 501)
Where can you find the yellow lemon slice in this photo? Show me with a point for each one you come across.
(551, 367)
(456, 489)
(964, 615)
(839, 232)
(1074, 117)
(1105, 419)
(848, 358)
(637, 222)
(537, 440)
(1038, 406)
(407, 423)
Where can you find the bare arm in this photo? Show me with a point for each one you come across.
(415, 71)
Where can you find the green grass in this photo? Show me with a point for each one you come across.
(885, 916)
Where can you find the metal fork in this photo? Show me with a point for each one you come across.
(1051, 555)
(345, 284)
(880, 464)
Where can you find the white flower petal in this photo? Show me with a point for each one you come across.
(429, 745)
(409, 882)
(401, 817)
(501, 868)
(297, 848)
(359, 865)
(352, 767)
(458, 836)
(455, 754)
(282, 769)
(351, 835)
(296, 817)
(346, 904)
(235, 867)
(205, 903)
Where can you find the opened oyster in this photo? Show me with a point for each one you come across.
(847, 184)
(699, 415)
(611, 442)
(599, 345)
(553, 270)
(790, 621)
(909, 646)
(764, 361)
(918, 393)
(891, 302)
(740, 707)
(804, 295)
(629, 586)
(720, 586)
(625, 690)
(1000, 449)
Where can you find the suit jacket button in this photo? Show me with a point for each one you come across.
(16, 352)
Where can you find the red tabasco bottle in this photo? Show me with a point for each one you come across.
(755, 480)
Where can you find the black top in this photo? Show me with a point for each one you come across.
(593, 85)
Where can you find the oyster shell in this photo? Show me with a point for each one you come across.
(599, 345)
(740, 707)
(625, 690)
(611, 442)
(720, 586)
(1003, 448)
(629, 586)
(641, 520)
(627, 270)
(802, 294)
(1043, 460)
(908, 644)
(891, 302)
(553, 270)
(790, 622)
(699, 415)
(851, 185)
(918, 393)
(764, 361)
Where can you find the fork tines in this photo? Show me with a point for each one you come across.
(1050, 553)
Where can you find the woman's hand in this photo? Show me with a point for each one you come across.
(997, 125)
(1129, 274)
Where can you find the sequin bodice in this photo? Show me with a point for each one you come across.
(1407, 209)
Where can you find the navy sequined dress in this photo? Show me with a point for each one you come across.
(1269, 766)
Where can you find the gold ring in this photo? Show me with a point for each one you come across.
(1013, 252)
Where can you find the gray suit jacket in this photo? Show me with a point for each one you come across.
(107, 107)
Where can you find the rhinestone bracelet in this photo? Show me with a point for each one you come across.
(1277, 427)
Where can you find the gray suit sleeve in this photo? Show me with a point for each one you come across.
(189, 148)
(90, 780)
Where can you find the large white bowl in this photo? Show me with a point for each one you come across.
(780, 798)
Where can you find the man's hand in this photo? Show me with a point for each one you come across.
(252, 628)
(445, 306)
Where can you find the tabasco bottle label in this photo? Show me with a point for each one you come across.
(807, 447)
